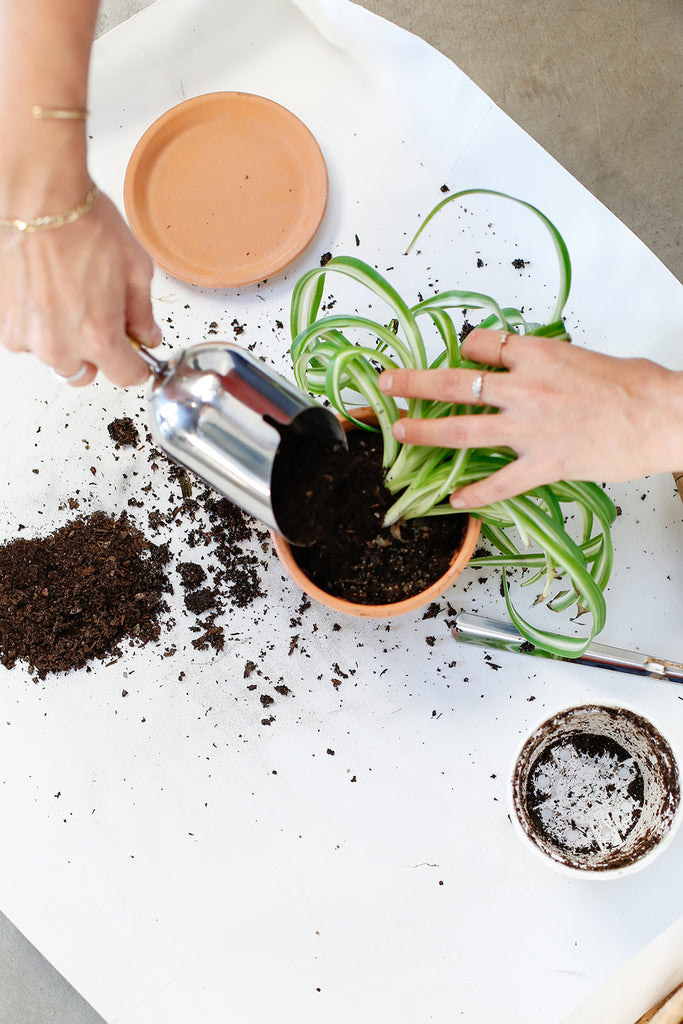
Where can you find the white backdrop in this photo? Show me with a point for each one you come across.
(200, 866)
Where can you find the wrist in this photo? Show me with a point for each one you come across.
(676, 426)
(666, 437)
(43, 167)
(58, 219)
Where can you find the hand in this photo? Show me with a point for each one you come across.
(568, 413)
(70, 295)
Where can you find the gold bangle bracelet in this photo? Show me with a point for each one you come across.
(53, 220)
(58, 114)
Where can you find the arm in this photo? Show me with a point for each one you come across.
(568, 413)
(68, 294)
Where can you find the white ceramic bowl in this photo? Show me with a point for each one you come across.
(595, 790)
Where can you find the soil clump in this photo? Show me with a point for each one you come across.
(124, 432)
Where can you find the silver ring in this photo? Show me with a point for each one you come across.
(504, 338)
(70, 378)
(478, 386)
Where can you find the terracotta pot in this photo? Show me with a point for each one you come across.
(379, 611)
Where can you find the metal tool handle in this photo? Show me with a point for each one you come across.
(476, 629)
(157, 366)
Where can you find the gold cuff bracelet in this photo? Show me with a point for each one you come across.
(53, 220)
(58, 114)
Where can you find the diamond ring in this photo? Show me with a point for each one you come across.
(478, 386)
(504, 338)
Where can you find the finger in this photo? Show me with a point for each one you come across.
(122, 365)
(465, 431)
(79, 377)
(491, 347)
(140, 322)
(515, 478)
(64, 360)
(87, 377)
(14, 342)
(438, 385)
(107, 347)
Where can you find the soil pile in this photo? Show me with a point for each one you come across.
(76, 594)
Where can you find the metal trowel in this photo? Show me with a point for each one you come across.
(226, 416)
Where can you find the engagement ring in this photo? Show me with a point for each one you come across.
(478, 386)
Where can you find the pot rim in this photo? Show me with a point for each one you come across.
(377, 611)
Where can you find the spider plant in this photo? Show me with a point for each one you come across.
(527, 532)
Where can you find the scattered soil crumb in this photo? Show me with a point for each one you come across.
(191, 574)
(124, 432)
(200, 601)
(432, 611)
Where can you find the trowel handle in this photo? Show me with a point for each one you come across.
(157, 366)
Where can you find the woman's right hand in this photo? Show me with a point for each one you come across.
(71, 294)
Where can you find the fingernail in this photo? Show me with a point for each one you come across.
(385, 381)
(399, 431)
(457, 502)
(155, 334)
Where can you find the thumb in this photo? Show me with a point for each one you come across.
(140, 322)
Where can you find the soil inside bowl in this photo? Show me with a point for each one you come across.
(339, 497)
(585, 794)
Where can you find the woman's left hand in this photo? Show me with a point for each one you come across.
(567, 412)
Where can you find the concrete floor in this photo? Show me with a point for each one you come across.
(598, 84)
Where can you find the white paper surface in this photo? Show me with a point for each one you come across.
(198, 865)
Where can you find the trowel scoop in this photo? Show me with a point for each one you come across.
(226, 416)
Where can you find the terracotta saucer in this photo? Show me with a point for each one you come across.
(226, 189)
